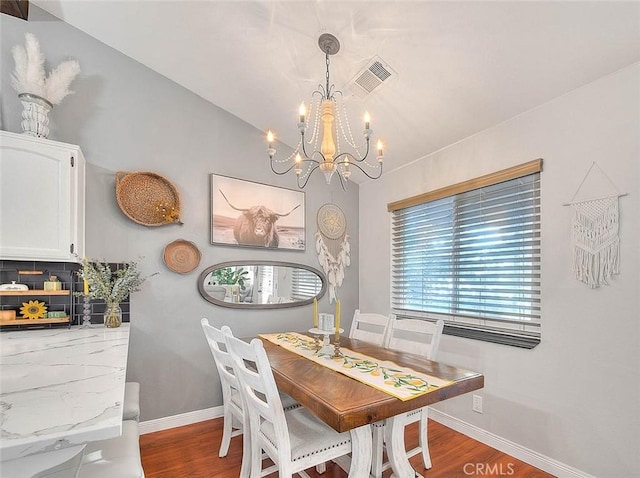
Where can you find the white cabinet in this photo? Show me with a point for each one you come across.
(42, 195)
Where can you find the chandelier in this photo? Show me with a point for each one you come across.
(331, 146)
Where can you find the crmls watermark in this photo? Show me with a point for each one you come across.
(488, 469)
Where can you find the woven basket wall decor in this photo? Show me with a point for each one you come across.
(181, 256)
(147, 198)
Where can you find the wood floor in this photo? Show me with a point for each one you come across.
(192, 452)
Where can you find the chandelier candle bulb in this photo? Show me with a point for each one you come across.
(270, 139)
(298, 162)
(367, 120)
(86, 287)
(303, 112)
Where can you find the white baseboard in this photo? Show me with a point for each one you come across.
(520, 452)
(515, 450)
(174, 421)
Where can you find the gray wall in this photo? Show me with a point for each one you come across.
(126, 117)
(575, 397)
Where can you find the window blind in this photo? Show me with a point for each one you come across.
(473, 259)
(305, 284)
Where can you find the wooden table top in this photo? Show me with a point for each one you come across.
(344, 403)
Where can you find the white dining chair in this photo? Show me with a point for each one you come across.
(233, 411)
(420, 337)
(370, 327)
(295, 440)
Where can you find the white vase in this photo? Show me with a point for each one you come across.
(35, 115)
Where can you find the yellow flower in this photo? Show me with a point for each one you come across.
(33, 309)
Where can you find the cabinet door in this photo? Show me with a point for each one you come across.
(41, 199)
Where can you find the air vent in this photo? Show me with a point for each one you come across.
(371, 77)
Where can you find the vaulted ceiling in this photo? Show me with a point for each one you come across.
(458, 67)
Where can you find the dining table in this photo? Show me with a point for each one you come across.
(345, 404)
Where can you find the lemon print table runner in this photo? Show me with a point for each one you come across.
(401, 382)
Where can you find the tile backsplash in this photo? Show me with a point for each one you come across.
(34, 273)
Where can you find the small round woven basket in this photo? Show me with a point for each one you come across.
(181, 256)
(147, 198)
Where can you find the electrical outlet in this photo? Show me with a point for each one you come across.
(477, 403)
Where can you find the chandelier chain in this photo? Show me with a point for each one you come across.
(327, 74)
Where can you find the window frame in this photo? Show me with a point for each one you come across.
(522, 334)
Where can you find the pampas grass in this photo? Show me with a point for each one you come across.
(29, 74)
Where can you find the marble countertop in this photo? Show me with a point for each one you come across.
(60, 387)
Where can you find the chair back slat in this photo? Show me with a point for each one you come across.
(415, 336)
(370, 327)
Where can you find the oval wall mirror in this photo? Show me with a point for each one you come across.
(261, 284)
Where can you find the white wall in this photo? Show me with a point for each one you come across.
(127, 117)
(576, 397)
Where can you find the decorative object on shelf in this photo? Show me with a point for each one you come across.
(56, 314)
(594, 233)
(52, 284)
(34, 309)
(7, 315)
(332, 246)
(37, 91)
(14, 286)
(251, 214)
(110, 286)
(327, 153)
(181, 256)
(147, 198)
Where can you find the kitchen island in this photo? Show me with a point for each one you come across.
(60, 387)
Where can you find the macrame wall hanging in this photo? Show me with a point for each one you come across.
(332, 246)
(595, 242)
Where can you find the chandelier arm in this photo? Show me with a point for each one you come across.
(342, 180)
(283, 172)
(360, 168)
(304, 149)
(308, 173)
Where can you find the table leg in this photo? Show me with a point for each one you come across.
(360, 451)
(396, 452)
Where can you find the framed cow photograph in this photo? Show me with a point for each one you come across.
(250, 214)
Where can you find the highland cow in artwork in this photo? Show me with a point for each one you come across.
(256, 215)
(256, 226)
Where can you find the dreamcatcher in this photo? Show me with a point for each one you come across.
(332, 246)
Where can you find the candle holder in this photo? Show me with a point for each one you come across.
(316, 341)
(336, 350)
(326, 348)
(86, 315)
